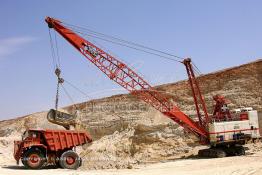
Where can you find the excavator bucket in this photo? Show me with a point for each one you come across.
(61, 118)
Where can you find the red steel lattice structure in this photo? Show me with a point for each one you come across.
(196, 93)
(126, 77)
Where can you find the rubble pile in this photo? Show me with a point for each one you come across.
(138, 144)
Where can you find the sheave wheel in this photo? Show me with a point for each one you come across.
(70, 160)
(33, 159)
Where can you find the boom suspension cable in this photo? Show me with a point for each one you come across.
(119, 39)
(128, 46)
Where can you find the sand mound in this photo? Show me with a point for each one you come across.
(137, 145)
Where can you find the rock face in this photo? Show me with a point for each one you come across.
(138, 144)
(242, 85)
(127, 131)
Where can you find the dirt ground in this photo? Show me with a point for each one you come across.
(249, 164)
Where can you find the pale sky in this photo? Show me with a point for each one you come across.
(215, 34)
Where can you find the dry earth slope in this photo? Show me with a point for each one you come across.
(128, 132)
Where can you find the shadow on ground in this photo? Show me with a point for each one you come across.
(17, 167)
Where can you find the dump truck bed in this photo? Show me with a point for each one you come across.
(62, 139)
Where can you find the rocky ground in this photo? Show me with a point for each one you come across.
(249, 164)
(129, 134)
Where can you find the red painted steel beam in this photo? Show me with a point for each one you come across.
(197, 95)
(125, 77)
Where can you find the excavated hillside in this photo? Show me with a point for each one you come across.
(242, 85)
(126, 131)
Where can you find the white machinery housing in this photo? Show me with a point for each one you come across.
(243, 126)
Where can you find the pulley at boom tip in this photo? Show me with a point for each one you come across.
(126, 77)
(50, 21)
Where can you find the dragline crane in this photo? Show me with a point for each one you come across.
(126, 77)
(207, 128)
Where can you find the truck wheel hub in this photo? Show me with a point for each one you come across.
(34, 159)
(70, 160)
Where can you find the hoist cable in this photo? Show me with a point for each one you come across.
(57, 96)
(57, 53)
(52, 49)
(56, 69)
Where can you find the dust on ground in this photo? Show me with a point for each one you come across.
(249, 164)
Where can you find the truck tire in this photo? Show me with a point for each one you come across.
(33, 159)
(58, 164)
(70, 160)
